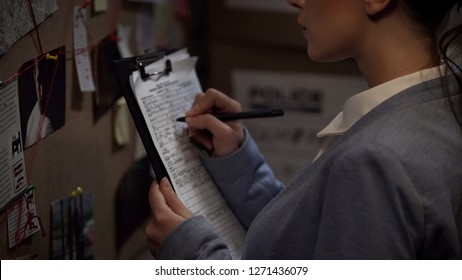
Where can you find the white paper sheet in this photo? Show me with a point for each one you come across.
(124, 33)
(12, 166)
(81, 55)
(22, 219)
(161, 102)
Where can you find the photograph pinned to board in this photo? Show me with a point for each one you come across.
(42, 96)
(72, 227)
(107, 90)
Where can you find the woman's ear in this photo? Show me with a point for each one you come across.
(374, 7)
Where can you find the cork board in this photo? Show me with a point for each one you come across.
(82, 152)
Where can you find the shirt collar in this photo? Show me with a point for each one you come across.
(360, 104)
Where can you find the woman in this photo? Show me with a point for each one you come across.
(387, 183)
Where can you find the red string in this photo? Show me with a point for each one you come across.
(85, 4)
(72, 51)
(31, 162)
(20, 233)
(42, 118)
(31, 10)
(17, 75)
(28, 219)
(18, 229)
(88, 48)
(17, 202)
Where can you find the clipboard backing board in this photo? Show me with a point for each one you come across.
(193, 184)
(123, 68)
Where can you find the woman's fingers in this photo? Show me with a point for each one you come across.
(167, 211)
(218, 138)
(213, 101)
(172, 200)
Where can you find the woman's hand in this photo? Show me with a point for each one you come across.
(168, 212)
(217, 137)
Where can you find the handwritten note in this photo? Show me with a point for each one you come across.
(81, 56)
(162, 100)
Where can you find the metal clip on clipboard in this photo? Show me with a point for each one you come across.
(147, 59)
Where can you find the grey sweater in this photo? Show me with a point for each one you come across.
(389, 188)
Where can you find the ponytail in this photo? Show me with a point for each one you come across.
(431, 15)
(450, 49)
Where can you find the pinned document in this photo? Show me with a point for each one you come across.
(22, 218)
(72, 226)
(81, 55)
(12, 168)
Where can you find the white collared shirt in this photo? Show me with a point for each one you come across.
(362, 103)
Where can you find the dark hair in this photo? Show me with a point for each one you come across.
(432, 15)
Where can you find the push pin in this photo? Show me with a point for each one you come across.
(53, 57)
(79, 190)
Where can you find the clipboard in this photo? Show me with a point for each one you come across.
(123, 68)
(191, 181)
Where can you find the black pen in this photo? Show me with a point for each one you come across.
(262, 113)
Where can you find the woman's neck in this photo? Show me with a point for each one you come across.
(392, 63)
(394, 48)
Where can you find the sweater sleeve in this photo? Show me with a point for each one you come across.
(194, 239)
(247, 183)
(245, 179)
(371, 209)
